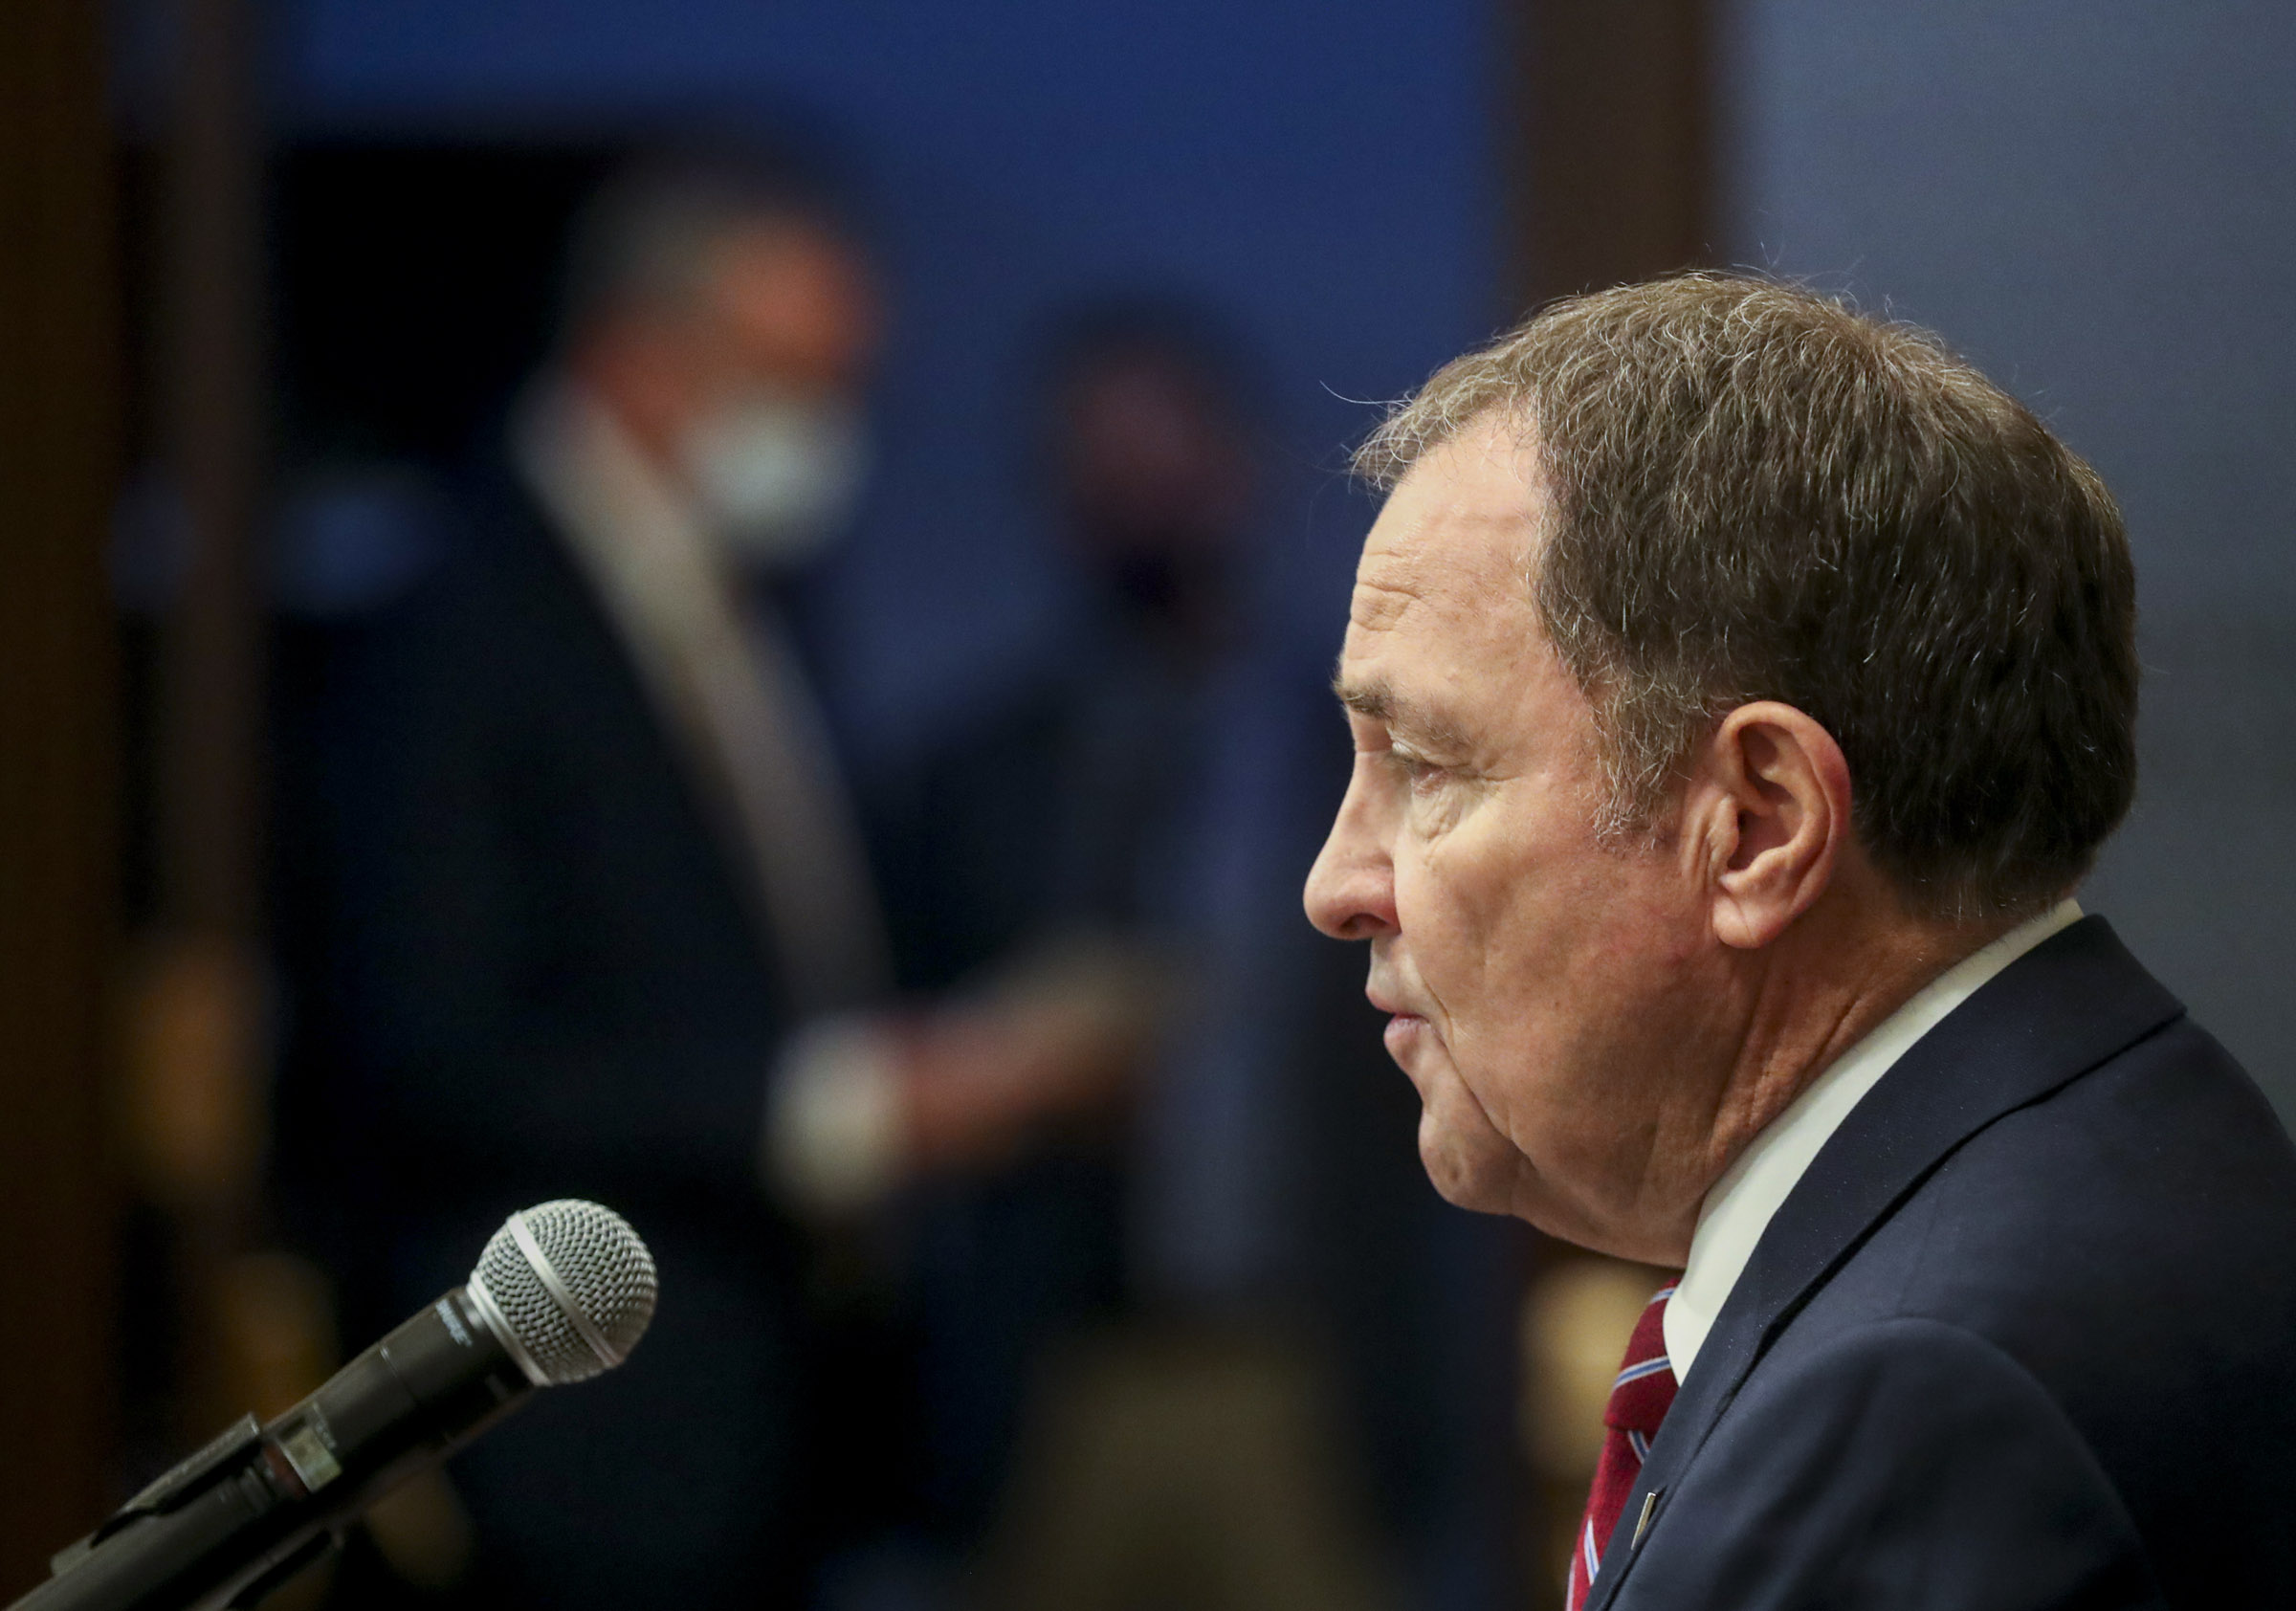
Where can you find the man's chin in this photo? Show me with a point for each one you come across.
(1467, 1173)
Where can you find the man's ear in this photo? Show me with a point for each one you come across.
(1769, 813)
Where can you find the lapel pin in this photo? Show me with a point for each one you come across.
(1642, 1522)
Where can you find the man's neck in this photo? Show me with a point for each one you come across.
(1812, 997)
(1737, 1209)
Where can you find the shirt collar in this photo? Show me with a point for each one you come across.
(1742, 1203)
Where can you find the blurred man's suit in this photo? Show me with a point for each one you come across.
(571, 952)
(2023, 1335)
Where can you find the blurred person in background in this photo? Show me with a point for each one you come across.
(1120, 1104)
(614, 923)
(597, 858)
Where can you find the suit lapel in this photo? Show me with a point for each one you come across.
(730, 696)
(2059, 1011)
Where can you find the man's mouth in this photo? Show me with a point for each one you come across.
(1407, 1028)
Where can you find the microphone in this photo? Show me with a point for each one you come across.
(563, 1291)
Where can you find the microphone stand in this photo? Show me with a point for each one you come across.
(260, 1503)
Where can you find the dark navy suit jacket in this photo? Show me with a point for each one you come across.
(2024, 1334)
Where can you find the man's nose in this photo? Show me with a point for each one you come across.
(1351, 889)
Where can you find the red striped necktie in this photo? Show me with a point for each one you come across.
(1639, 1400)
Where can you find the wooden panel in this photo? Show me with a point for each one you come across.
(1615, 161)
(212, 385)
(58, 381)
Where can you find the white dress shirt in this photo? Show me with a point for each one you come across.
(1739, 1207)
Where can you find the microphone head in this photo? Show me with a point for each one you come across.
(568, 1288)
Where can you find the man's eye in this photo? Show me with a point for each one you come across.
(1418, 771)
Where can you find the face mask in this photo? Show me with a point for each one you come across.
(776, 476)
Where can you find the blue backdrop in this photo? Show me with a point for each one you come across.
(1322, 170)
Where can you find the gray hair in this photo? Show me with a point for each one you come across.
(1758, 493)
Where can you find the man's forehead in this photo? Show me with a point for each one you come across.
(1457, 530)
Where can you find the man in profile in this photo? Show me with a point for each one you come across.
(1740, 689)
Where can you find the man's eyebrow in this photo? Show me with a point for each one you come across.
(1377, 702)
